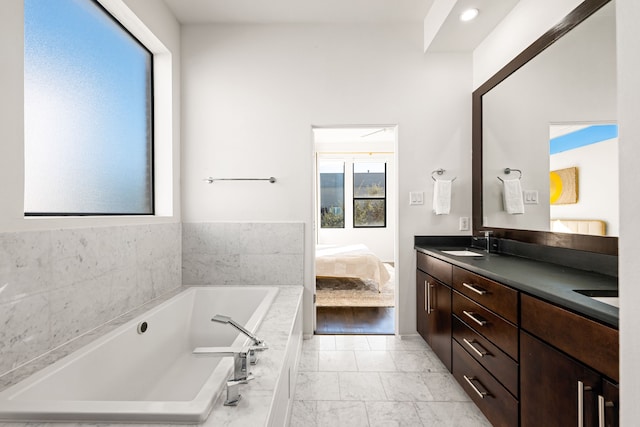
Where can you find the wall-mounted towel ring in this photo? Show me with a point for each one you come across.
(507, 171)
(440, 172)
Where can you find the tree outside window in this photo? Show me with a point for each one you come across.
(369, 194)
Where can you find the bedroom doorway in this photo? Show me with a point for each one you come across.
(355, 216)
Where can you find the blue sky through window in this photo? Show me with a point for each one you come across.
(87, 112)
(586, 136)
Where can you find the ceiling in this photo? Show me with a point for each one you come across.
(299, 11)
(457, 36)
(452, 34)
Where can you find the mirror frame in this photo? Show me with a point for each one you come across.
(599, 244)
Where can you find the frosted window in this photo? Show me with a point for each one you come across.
(88, 112)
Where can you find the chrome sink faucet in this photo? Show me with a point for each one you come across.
(487, 237)
(241, 374)
(258, 344)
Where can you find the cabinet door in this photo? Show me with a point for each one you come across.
(609, 405)
(555, 390)
(421, 304)
(433, 308)
(439, 320)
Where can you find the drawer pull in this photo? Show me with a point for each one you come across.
(581, 389)
(480, 393)
(471, 343)
(429, 287)
(602, 406)
(474, 288)
(473, 316)
(426, 297)
(600, 411)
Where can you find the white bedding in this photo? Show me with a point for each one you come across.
(350, 261)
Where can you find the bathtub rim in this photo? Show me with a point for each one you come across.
(196, 410)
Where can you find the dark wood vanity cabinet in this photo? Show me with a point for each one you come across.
(494, 400)
(523, 361)
(568, 368)
(555, 387)
(485, 347)
(610, 403)
(434, 306)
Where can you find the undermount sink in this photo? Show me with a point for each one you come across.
(462, 253)
(603, 295)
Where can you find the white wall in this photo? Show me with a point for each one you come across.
(598, 193)
(527, 21)
(251, 94)
(628, 14)
(152, 19)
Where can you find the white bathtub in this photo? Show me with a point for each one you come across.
(145, 377)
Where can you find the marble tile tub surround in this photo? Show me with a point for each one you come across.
(245, 253)
(277, 329)
(58, 284)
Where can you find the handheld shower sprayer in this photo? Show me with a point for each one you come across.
(226, 319)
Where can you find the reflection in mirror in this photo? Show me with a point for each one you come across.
(583, 178)
(571, 83)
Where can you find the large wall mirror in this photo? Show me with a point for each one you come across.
(544, 130)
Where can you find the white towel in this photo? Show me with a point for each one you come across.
(442, 197)
(512, 193)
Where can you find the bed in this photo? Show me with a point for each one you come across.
(350, 261)
(593, 227)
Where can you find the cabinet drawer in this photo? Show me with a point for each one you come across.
(488, 355)
(500, 332)
(493, 295)
(439, 269)
(495, 402)
(592, 343)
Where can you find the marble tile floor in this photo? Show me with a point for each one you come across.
(374, 380)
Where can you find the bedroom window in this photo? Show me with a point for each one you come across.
(369, 194)
(331, 193)
(88, 107)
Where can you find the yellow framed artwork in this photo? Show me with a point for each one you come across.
(563, 186)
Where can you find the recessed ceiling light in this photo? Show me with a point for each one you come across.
(469, 14)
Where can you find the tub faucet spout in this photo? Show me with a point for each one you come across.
(241, 374)
(258, 344)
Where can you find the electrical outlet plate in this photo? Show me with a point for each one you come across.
(464, 223)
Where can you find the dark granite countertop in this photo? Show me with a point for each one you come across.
(548, 281)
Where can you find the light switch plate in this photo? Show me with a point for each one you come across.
(530, 197)
(416, 198)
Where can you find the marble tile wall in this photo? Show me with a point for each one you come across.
(58, 284)
(243, 253)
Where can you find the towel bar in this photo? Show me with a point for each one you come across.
(211, 180)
